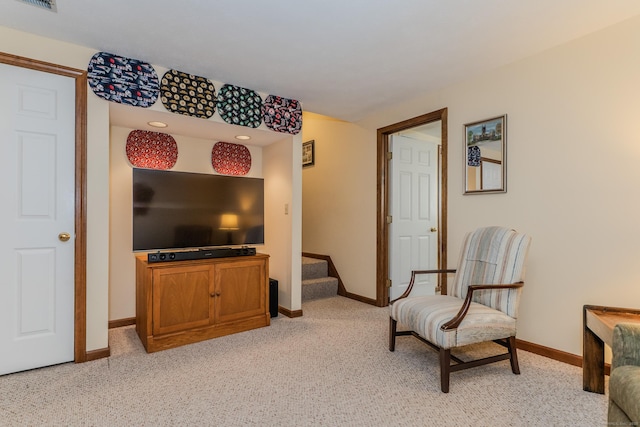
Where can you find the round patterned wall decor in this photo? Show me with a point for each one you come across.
(123, 80)
(151, 150)
(187, 94)
(230, 159)
(240, 106)
(282, 114)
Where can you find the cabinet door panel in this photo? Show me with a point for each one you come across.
(181, 298)
(240, 290)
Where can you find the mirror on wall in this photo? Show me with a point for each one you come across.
(485, 156)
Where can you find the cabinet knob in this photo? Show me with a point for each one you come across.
(214, 294)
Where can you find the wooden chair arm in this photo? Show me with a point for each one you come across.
(414, 273)
(455, 322)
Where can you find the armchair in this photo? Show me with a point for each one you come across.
(624, 382)
(481, 305)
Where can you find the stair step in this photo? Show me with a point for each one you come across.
(313, 268)
(322, 287)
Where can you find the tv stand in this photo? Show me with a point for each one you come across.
(182, 302)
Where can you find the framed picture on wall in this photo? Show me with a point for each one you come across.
(308, 153)
(485, 160)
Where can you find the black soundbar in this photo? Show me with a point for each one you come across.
(199, 254)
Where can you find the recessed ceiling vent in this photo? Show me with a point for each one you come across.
(43, 4)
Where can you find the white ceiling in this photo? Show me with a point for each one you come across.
(341, 58)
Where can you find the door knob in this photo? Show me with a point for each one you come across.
(434, 229)
(64, 237)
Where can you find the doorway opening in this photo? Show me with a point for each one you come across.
(384, 201)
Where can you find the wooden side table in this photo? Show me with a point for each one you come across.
(598, 323)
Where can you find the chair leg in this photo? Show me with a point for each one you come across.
(393, 324)
(445, 369)
(511, 344)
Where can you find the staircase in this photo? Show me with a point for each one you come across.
(316, 282)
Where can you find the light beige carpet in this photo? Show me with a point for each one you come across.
(330, 367)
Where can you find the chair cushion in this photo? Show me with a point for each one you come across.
(425, 314)
(624, 390)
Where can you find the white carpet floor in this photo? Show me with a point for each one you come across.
(330, 367)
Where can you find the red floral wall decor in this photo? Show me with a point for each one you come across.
(230, 159)
(151, 150)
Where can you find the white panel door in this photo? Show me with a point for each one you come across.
(414, 210)
(37, 137)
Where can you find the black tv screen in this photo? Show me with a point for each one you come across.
(173, 210)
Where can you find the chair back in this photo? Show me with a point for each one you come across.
(492, 256)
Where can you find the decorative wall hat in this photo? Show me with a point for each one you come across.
(123, 80)
(240, 106)
(230, 159)
(151, 150)
(282, 114)
(187, 94)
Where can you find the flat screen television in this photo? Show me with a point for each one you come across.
(175, 210)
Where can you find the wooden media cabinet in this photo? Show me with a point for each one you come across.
(182, 302)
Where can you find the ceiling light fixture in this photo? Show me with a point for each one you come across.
(158, 124)
(243, 137)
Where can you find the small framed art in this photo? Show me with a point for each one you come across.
(485, 161)
(308, 153)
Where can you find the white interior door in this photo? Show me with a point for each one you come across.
(413, 232)
(37, 136)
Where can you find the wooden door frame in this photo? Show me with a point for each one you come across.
(80, 221)
(382, 239)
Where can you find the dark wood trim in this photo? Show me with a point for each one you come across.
(81, 220)
(289, 313)
(118, 323)
(80, 269)
(332, 270)
(382, 234)
(360, 298)
(604, 308)
(98, 354)
(552, 353)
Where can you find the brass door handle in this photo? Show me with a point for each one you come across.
(63, 237)
(434, 229)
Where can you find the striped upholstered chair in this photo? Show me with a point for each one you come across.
(481, 304)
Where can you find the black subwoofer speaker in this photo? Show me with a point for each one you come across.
(273, 298)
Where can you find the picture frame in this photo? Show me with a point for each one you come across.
(308, 153)
(485, 156)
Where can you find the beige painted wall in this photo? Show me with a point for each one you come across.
(283, 216)
(31, 46)
(339, 199)
(573, 154)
